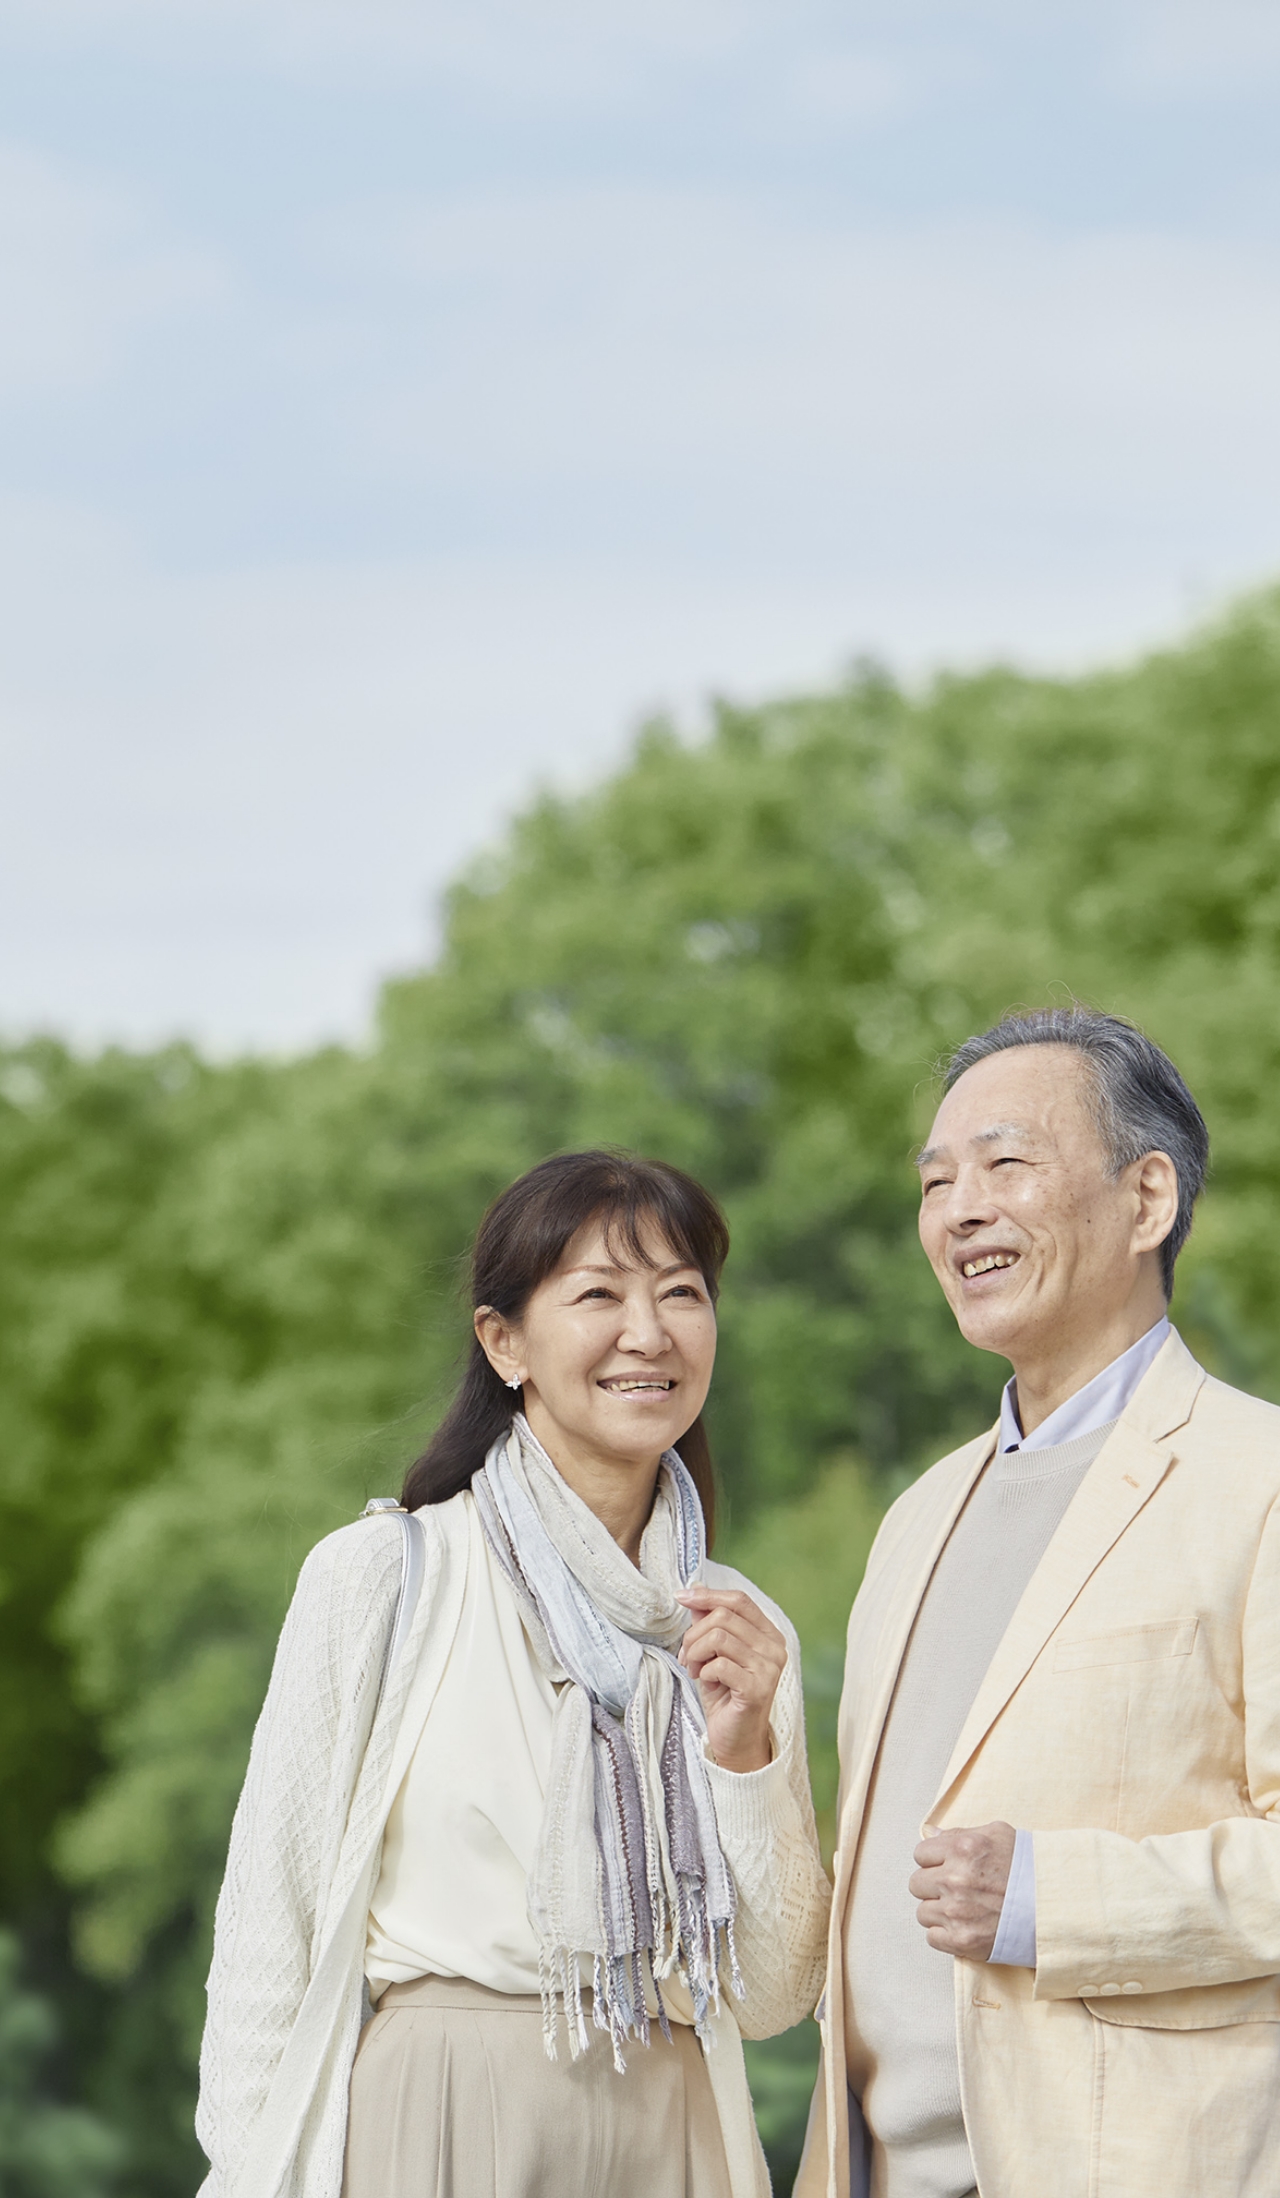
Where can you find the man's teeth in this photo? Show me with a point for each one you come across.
(973, 1267)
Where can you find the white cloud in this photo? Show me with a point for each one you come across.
(697, 444)
(84, 271)
(597, 435)
(231, 799)
(807, 63)
(673, 347)
(228, 797)
(1198, 50)
(848, 63)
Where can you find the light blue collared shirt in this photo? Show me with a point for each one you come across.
(1099, 1402)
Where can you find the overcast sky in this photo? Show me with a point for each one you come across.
(399, 400)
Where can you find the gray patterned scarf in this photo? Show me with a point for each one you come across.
(629, 1868)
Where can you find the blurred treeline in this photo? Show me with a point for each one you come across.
(229, 1294)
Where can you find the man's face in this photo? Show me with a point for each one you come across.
(1028, 1233)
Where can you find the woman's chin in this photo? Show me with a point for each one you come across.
(637, 1434)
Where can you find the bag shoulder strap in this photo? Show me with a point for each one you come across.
(412, 1566)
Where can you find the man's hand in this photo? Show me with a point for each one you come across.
(737, 1656)
(960, 1882)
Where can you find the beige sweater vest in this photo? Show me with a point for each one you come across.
(899, 1993)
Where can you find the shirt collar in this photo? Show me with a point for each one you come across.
(1101, 1400)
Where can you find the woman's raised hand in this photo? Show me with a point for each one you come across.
(737, 1656)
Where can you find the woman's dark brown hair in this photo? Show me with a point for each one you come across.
(521, 1241)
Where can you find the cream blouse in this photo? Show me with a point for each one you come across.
(450, 1900)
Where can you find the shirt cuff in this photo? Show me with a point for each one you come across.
(1015, 1945)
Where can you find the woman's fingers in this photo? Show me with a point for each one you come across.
(731, 1626)
(699, 1598)
(725, 1664)
(726, 1616)
(737, 1656)
(758, 1670)
(743, 1685)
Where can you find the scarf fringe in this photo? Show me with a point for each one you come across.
(560, 1988)
(619, 2006)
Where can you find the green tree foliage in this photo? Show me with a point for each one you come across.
(229, 1294)
(46, 2150)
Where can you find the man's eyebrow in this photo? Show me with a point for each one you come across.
(999, 1130)
(993, 1136)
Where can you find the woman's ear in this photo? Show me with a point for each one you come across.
(501, 1345)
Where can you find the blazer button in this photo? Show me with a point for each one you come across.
(1090, 1991)
(1108, 1990)
(1131, 1988)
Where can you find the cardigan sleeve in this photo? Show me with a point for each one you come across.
(770, 1842)
(303, 1765)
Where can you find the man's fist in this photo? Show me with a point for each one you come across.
(960, 1881)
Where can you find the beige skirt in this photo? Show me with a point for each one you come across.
(452, 2096)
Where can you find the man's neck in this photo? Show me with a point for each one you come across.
(1043, 1384)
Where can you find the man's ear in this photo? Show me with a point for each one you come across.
(500, 1343)
(1156, 1183)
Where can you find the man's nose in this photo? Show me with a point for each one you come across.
(970, 1204)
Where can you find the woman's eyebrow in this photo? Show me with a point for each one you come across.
(677, 1267)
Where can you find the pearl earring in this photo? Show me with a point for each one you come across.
(514, 1382)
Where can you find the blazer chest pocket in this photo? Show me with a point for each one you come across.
(1130, 1645)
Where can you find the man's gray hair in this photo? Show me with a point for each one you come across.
(1142, 1103)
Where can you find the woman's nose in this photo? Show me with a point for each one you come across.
(644, 1331)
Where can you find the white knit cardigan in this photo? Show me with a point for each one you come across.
(286, 1989)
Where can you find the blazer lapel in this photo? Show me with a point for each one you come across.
(900, 1589)
(1127, 1470)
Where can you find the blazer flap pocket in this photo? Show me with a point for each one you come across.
(1198, 2007)
(1130, 1645)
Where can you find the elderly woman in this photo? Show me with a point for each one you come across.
(526, 1843)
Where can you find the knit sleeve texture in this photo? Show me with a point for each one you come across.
(770, 1841)
(305, 1759)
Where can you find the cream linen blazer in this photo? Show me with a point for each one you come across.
(1130, 1719)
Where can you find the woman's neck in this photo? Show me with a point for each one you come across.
(618, 1490)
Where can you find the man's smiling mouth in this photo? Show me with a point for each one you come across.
(988, 1263)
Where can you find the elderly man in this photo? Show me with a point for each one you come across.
(1055, 1949)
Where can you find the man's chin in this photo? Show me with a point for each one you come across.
(991, 1327)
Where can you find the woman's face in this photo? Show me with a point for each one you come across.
(614, 1356)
